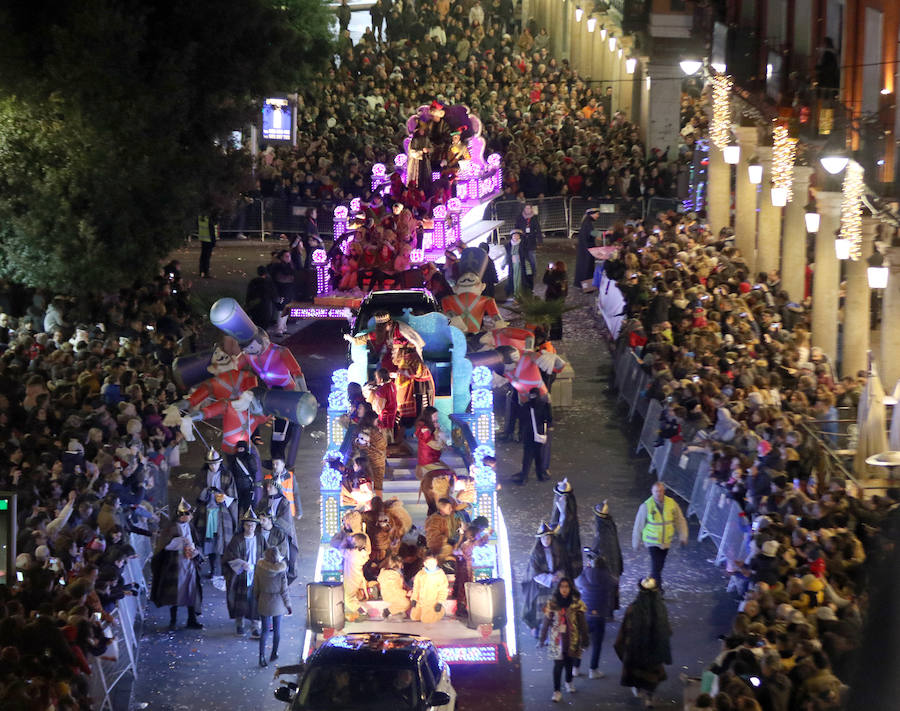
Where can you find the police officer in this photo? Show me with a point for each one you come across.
(657, 522)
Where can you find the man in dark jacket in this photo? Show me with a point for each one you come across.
(532, 236)
(261, 298)
(599, 590)
(535, 420)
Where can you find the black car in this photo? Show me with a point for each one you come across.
(418, 301)
(372, 672)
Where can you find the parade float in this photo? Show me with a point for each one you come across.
(434, 198)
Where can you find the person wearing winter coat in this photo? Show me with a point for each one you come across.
(270, 589)
(564, 631)
(547, 565)
(643, 643)
(217, 527)
(239, 566)
(599, 590)
(176, 569)
(564, 518)
(429, 593)
(606, 542)
(393, 592)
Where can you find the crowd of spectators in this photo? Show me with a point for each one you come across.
(82, 390)
(729, 358)
(558, 132)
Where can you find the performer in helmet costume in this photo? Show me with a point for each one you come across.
(564, 518)
(280, 511)
(547, 565)
(239, 564)
(176, 568)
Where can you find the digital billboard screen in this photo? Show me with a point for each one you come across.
(277, 120)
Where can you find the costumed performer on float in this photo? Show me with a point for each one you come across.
(429, 594)
(388, 334)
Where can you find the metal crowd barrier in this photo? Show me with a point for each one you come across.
(262, 217)
(684, 469)
(120, 662)
(552, 213)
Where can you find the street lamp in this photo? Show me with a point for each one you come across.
(719, 67)
(834, 159)
(876, 272)
(690, 66)
(754, 171)
(731, 153)
(579, 13)
(812, 218)
(612, 43)
(842, 247)
(591, 24)
(630, 65)
(603, 33)
(779, 197)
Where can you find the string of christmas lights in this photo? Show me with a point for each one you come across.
(784, 150)
(720, 130)
(851, 208)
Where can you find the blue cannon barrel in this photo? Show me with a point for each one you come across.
(228, 315)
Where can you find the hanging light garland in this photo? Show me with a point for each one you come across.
(851, 209)
(720, 130)
(784, 150)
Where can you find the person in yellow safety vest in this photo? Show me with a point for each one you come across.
(207, 231)
(658, 521)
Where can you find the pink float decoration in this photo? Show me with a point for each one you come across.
(319, 256)
(417, 256)
(454, 204)
(379, 170)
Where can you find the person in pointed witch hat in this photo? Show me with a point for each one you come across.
(564, 518)
(547, 565)
(239, 564)
(176, 568)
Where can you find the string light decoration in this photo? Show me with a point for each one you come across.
(851, 209)
(720, 130)
(784, 150)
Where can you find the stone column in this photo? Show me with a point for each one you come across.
(768, 243)
(626, 91)
(890, 317)
(718, 193)
(793, 247)
(826, 275)
(664, 106)
(745, 197)
(855, 342)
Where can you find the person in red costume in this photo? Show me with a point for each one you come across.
(382, 395)
(432, 440)
(387, 335)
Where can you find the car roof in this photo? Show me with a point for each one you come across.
(398, 296)
(373, 649)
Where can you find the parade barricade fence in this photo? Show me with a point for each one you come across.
(269, 217)
(120, 661)
(552, 213)
(684, 469)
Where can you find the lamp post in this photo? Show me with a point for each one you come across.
(755, 170)
(690, 66)
(877, 272)
(812, 218)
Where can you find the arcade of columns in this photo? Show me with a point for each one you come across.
(769, 237)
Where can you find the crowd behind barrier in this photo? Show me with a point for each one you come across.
(752, 456)
(558, 131)
(83, 445)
